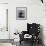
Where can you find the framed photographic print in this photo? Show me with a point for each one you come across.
(21, 13)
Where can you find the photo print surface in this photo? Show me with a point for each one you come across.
(21, 13)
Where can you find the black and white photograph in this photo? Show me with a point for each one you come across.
(21, 13)
(22, 22)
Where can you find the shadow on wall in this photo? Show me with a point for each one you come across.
(41, 34)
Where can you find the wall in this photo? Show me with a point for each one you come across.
(3, 1)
